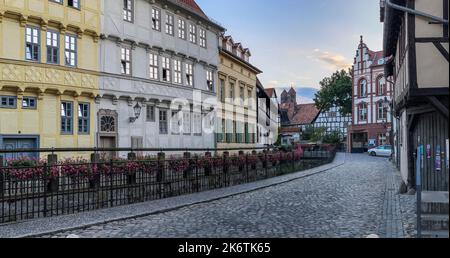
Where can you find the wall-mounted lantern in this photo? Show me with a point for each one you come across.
(137, 113)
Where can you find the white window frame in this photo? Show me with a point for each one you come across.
(128, 11)
(189, 70)
(202, 34)
(163, 122)
(150, 113)
(187, 122)
(70, 50)
(156, 19)
(197, 123)
(32, 43)
(210, 80)
(170, 24)
(192, 33)
(177, 72)
(153, 66)
(52, 43)
(166, 69)
(125, 60)
(181, 29)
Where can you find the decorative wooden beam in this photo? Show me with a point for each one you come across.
(442, 50)
(438, 105)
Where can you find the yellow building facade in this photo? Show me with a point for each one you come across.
(48, 73)
(237, 109)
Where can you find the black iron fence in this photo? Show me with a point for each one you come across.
(33, 188)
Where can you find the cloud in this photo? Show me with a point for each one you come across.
(304, 100)
(334, 61)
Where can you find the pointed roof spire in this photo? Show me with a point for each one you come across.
(361, 41)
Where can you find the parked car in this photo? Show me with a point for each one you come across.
(382, 151)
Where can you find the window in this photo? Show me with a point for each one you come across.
(241, 95)
(363, 88)
(137, 142)
(381, 86)
(192, 33)
(197, 117)
(232, 91)
(381, 111)
(8, 102)
(52, 47)
(202, 33)
(66, 117)
(177, 71)
(250, 99)
(32, 49)
(156, 19)
(74, 3)
(181, 29)
(189, 75)
(163, 128)
(107, 124)
(222, 90)
(154, 66)
(210, 80)
(229, 47)
(239, 54)
(187, 122)
(362, 112)
(29, 103)
(175, 122)
(382, 139)
(166, 69)
(169, 24)
(150, 113)
(70, 51)
(125, 59)
(83, 118)
(128, 10)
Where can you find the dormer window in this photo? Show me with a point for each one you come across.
(246, 58)
(238, 53)
(229, 47)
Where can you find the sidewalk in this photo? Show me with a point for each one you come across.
(81, 220)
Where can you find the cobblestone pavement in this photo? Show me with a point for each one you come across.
(354, 200)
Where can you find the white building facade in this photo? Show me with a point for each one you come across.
(334, 121)
(159, 62)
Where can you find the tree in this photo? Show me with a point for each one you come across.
(336, 91)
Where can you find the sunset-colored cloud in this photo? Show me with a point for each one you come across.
(334, 61)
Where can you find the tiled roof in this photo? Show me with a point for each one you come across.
(192, 6)
(376, 56)
(303, 114)
(290, 130)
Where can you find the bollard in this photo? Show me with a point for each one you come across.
(208, 168)
(131, 175)
(53, 183)
(2, 177)
(188, 171)
(94, 181)
(161, 167)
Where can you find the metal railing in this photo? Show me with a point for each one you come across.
(33, 188)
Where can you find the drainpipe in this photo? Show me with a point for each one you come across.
(416, 12)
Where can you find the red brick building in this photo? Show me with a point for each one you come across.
(372, 95)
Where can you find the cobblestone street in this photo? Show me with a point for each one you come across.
(354, 200)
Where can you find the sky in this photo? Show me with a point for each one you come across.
(299, 42)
